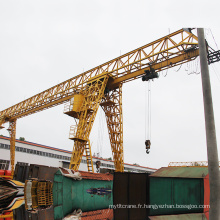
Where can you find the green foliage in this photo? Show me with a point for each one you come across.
(109, 158)
(136, 164)
(21, 139)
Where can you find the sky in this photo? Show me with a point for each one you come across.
(45, 42)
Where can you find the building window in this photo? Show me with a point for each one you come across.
(36, 152)
(65, 164)
(22, 164)
(4, 164)
(83, 161)
(4, 146)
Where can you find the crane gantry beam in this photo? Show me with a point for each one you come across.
(171, 50)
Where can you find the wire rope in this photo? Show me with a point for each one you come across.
(100, 134)
(145, 121)
(148, 110)
(178, 68)
(147, 116)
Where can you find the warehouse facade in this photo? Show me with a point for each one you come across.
(27, 153)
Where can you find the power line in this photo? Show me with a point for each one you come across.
(216, 72)
(213, 38)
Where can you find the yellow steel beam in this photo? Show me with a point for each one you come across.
(92, 97)
(112, 106)
(12, 132)
(2, 121)
(166, 52)
(159, 66)
(10, 215)
(159, 51)
(89, 157)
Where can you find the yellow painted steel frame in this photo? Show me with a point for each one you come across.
(10, 215)
(12, 132)
(160, 52)
(171, 50)
(93, 94)
(112, 106)
(89, 157)
(45, 193)
(2, 121)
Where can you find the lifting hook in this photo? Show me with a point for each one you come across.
(147, 144)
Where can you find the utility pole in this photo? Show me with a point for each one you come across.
(213, 162)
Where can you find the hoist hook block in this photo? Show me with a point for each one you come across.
(147, 144)
(149, 74)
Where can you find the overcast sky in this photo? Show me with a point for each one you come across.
(45, 42)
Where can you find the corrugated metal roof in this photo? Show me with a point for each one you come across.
(96, 176)
(184, 172)
(198, 216)
(104, 214)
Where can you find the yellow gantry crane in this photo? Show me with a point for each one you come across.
(102, 86)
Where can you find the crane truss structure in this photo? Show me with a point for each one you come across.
(84, 112)
(102, 85)
(112, 106)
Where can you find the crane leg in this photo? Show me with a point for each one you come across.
(12, 133)
(93, 94)
(112, 106)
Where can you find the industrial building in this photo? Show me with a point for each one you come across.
(33, 153)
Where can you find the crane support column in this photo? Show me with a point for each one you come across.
(213, 162)
(112, 106)
(85, 116)
(12, 133)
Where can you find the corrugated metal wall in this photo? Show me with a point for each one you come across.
(176, 195)
(130, 195)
